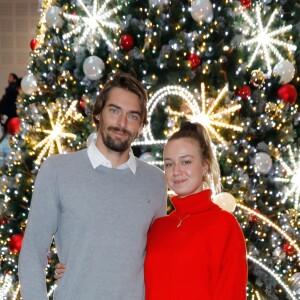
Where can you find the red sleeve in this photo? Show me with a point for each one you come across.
(231, 280)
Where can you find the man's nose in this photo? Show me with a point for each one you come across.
(122, 120)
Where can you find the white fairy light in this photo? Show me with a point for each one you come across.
(56, 133)
(264, 38)
(92, 26)
(160, 95)
(292, 177)
(271, 224)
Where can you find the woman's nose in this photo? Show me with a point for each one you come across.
(176, 169)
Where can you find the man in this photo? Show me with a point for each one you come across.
(8, 108)
(99, 203)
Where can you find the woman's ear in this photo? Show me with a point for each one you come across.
(205, 168)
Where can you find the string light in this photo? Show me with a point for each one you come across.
(271, 224)
(274, 275)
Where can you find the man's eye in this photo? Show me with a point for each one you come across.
(133, 117)
(114, 110)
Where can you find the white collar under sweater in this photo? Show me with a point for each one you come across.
(97, 159)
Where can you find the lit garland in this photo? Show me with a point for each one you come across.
(293, 176)
(54, 135)
(274, 275)
(264, 38)
(271, 224)
(92, 27)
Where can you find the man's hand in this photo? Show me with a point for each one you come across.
(59, 271)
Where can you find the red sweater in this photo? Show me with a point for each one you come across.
(201, 257)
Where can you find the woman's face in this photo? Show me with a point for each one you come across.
(184, 168)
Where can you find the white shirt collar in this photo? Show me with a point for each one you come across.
(97, 159)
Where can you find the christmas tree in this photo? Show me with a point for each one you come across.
(230, 65)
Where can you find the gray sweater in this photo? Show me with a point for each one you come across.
(100, 218)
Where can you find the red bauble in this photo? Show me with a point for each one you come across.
(288, 248)
(253, 218)
(194, 60)
(33, 44)
(15, 243)
(82, 103)
(244, 92)
(14, 126)
(287, 93)
(245, 3)
(3, 221)
(127, 42)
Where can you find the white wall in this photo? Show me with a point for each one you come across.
(18, 23)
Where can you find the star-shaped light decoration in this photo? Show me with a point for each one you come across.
(214, 117)
(58, 117)
(205, 111)
(264, 39)
(292, 178)
(92, 27)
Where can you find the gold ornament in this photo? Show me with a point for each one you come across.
(257, 78)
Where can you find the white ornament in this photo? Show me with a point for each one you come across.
(29, 84)
(93, 67)
(53, 17)
(158, 2)
(226, 201)
(202, 10)
(263, 162)
(286, 70)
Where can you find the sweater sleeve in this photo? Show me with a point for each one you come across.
(41, 226)
(231, 280)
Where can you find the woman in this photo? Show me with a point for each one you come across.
(197, 251)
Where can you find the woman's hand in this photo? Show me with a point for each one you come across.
(59, 271)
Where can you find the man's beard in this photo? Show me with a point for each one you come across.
(116, 144)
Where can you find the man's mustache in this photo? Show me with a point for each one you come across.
(111, 128)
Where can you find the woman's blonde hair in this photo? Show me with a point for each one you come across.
(199, 133)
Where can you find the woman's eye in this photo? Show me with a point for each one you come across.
(186, 162)
(167, 165)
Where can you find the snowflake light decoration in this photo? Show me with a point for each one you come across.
(205, 111)
(56, 133)
(92, 26)
(265, 40)
(292, 177)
